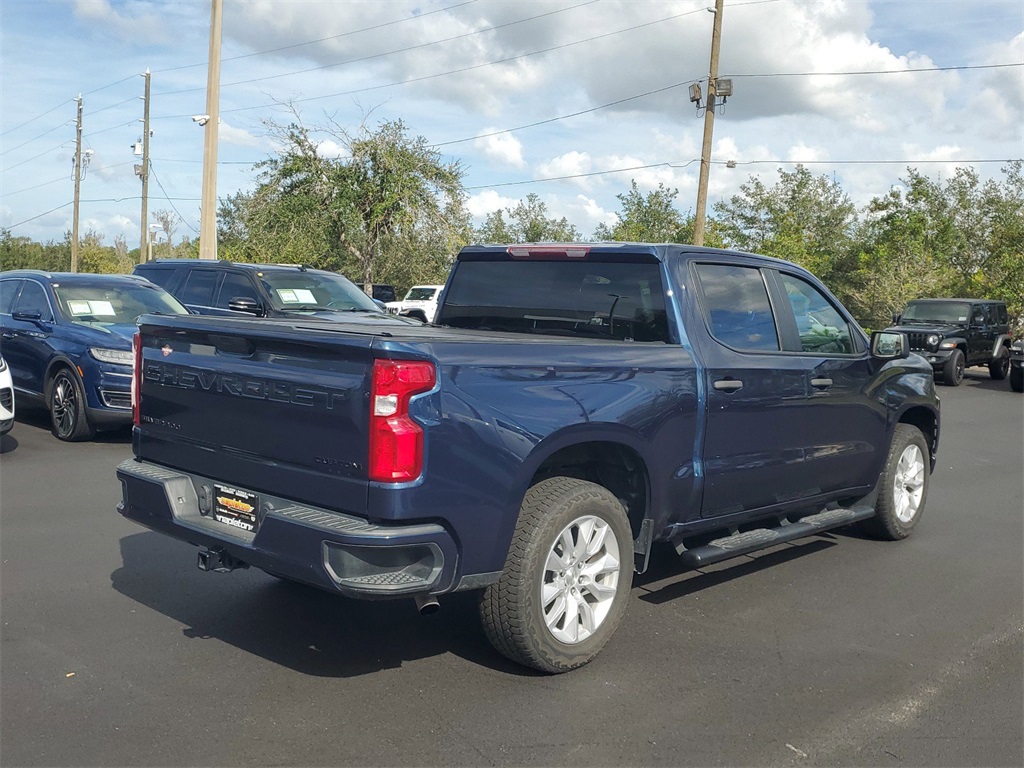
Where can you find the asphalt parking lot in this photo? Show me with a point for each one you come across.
(837, 650)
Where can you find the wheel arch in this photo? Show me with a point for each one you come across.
(58, 362)
(613, 461)
(926, 420)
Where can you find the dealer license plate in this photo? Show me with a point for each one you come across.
(236, 508)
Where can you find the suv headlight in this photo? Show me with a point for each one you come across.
(3, 364)
(116, 356)
(932, 339)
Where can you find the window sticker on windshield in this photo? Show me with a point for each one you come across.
(962, 319)
(99, 308)
(296, 296)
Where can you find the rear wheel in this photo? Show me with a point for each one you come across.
(1000, 364)
(903, 487)
(953, 370)
(567, 577)
(68, 418)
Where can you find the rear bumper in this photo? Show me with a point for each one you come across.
(328, 549)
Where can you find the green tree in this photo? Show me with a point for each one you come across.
(645, 219)
(390, 208)
(528, 222)
(803, 218)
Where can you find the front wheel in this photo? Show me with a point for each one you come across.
(567, 577)
(68, 419)
(903, 486)
(953, 369)
(1017, 378)
(1000, 365)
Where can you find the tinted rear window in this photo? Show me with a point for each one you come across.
(624, 301)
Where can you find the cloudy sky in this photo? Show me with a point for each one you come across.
(568, 99)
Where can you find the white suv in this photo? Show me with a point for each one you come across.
(420, 302)
(6, 399)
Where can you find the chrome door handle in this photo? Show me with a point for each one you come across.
(821, 383)
(728, 385)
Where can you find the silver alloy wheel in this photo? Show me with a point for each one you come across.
(65, 405)
(581, 577)
(908, 485)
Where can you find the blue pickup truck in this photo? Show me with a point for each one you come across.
(571, 406)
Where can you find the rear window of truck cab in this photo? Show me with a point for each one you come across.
(562, 297)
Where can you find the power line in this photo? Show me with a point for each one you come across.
(322, 39)
(52, 149)
(470, 68)
(930, 161)
(388, 53)
(66, 101)
(168, 198)
(882, 71)
(679, 164)
(38, 216)
(36, 138)
(566, 117)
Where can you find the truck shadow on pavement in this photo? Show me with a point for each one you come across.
(299, 627)
(667, 580)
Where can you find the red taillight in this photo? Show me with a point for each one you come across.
(396, 441)
(136, 379)
(548, 251)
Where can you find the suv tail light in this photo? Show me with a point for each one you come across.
(396, 441)
(136, 379)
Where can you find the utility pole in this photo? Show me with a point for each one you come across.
(208, 214)
(709, 124)
(143, 171)
(78, 184)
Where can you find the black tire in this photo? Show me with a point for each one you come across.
(953, 370)
(903, 486)
(1000, 364)
(66, 403)
(514, 611)
(1017, 378)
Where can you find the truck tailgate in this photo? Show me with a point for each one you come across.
(261, 405)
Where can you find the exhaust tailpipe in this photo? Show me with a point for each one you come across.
(426, 604)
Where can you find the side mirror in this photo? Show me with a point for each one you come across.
(889, 345)
(35, 317)
(247, 305)
(896, 318)
(380, 305)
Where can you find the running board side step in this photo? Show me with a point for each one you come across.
(750, 541)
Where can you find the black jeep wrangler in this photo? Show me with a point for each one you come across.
(953, 334)
(1017, 366)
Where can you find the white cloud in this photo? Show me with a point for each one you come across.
(142, 26)
(801, 153)
(570, 164)
(229, 134)
(331, 149)
(488, 201)
(503, 148)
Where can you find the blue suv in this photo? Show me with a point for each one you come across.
(67, 339)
